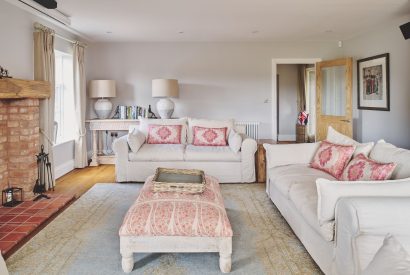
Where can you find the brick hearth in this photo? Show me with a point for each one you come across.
(19, 143)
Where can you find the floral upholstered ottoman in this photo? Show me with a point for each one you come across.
(176, 222)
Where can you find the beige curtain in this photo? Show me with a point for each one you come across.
(44, 67)
(301, 101)
(80, 150)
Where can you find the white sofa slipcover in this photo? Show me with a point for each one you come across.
(346, 244)
(219, 161)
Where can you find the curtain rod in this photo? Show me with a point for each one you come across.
(38, 26)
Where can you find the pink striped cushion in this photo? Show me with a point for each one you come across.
(332, 158)
(164, 134)
(363, 168)
(178, 214)
(209, 136)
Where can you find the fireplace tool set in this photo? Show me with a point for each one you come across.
(45, 180)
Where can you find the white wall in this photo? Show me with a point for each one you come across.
(16, 55)
(393, 126)
(288, 111)
(217, 80)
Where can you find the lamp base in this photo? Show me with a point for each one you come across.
(103, 108)
(165, 107)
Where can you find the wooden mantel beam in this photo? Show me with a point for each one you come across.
(11, 88)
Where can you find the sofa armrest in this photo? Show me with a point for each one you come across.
(248, 150)
(361, 226)
(120, 146)
(285, 154)
(121, 150)
(249, 145)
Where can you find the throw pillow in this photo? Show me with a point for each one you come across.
(209, 136)
(164, 134)
(391, 258)
(334, 136)
(208, 123)
(332, 158)
(145, 122)
(234, 141)
(386, 152)
(135, 140)
(362, 168)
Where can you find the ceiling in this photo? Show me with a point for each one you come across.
(228, 20)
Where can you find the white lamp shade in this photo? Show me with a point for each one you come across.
(165, 88)
(102, 88)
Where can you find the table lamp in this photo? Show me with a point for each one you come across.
(102, 89)
(165, 88)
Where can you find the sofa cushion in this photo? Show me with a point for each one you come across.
(284, 177)
(363, 168)
(164, 134)
(145, 122)
(334, 136)
(304, 197)
(386, 152)
(391, 258)
(135, 140)
(208, 123)
(332, 158)
(209, 136)
(211, 153)
(235, 141)
(159, 152)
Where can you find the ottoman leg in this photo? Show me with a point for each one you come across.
(127, 262)
(225, 262)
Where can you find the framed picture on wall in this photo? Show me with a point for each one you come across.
(373, 83)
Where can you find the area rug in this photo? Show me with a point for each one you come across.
(84, 239)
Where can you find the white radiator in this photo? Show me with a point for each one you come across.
(250, 128)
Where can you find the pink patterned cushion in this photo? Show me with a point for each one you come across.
(363, 168)
(164, 134)
(209, 136)
(332, 158)
(178, 214)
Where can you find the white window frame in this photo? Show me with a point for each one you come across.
(61, 135)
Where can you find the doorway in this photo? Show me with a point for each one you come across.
(294, 90)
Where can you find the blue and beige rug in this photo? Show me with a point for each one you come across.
(84, 239)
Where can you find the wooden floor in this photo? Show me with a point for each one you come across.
(78, 181)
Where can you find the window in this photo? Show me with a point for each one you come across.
(64, 97)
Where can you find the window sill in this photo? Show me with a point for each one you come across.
(63, 142)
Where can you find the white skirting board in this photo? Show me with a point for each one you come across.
(63, 169)
(286, 137)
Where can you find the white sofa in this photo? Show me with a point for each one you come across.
(346, 243)
(218, 161)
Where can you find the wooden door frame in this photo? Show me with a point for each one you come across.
(348, 62)
(275, 63)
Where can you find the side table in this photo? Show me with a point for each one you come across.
(301, 134)
(260, 159)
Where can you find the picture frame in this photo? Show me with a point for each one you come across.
(373, 83)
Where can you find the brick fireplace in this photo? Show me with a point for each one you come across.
(19, 132)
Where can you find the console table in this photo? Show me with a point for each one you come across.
(97, 125)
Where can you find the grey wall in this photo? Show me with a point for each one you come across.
(288, 87)
(16, 55)
(217, 80)
(393, 126)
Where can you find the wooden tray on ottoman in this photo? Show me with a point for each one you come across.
(190, 181)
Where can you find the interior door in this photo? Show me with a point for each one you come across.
(334, 97)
